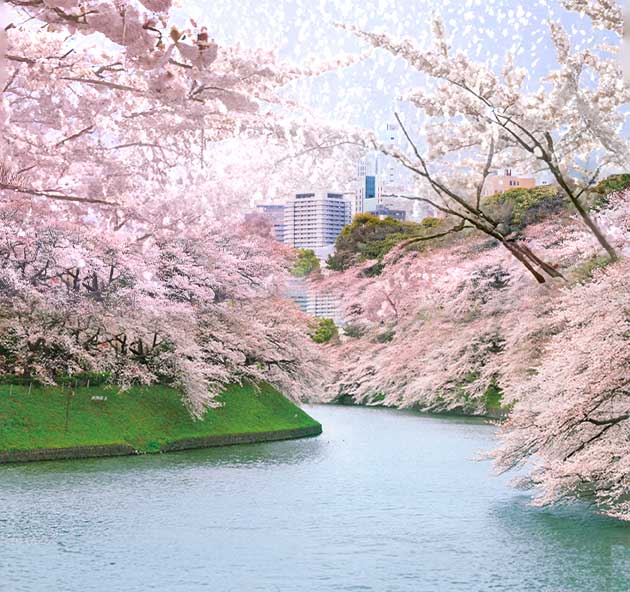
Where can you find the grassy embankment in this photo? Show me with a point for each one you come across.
(143, 419)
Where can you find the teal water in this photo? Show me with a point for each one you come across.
(383, 501)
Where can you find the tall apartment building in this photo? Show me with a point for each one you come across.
(500, 183)
(314, 220)
(323, 305)
(391, 173)
(275, 214)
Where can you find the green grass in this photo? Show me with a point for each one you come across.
(143, 417)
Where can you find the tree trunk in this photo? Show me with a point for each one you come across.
(599, 235)
(548, 269)
(581, 210)
(520, 255)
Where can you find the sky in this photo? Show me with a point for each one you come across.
(366, 93)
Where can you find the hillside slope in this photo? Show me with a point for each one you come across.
(143, 419)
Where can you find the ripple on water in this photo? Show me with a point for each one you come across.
(383, 501)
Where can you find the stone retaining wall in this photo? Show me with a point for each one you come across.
(228, 440)
(8, 456)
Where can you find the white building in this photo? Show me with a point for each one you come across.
(314, 220)
(323, 305)
(275, 214)
(391, 173)
(379, 176)
(367, 196)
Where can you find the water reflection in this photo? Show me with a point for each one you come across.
(383, 500)
(265, 453)
(590, 551)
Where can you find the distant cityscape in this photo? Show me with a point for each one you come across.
(314, 220)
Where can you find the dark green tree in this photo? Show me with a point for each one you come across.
(325, 331)
(305, 264)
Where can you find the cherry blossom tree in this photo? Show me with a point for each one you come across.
(435, 327)
(479, 120)
(451, 327)
(604, 13)
(198, 312)
(127, 146)
(571, 420)
(126, 112)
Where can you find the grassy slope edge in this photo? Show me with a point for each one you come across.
(146, 418)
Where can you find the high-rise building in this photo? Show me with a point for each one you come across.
(367, 197)
(379, 175)
(391, 169)
(370, 191)
(314, 220)
(275, 214)
(385, 212)
(321, 304)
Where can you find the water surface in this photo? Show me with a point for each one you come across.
(383, 500)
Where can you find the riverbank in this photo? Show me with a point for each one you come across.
(388, 500)
(49, 423)
(491, 410)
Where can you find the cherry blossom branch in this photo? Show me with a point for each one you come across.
(85, 130)
(52, 194)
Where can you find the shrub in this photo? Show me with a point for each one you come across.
(373, 270)
(369, 237)
(305, 264)
(607, 186)
(385, 336)
(493, 397)
(354, 331)
(613, 184)
(518, 208)
(583, 272)
(325, 331)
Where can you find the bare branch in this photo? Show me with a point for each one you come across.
(54, 195)
(85, 130)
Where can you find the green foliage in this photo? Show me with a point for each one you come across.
(613, 184)
(517, 208)
(493, 397)
(354, 331)
(430, 223)
(325, 331)
(369, 237)
(373, 270)
(306, 263)
(583, 272)
(385, 336)
(607, 186)
(146, 418)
